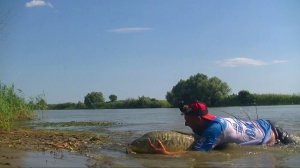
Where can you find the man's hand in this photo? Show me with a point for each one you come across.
(160, 149)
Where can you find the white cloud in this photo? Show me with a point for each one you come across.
(243, 61)
(130, 29)
(279, 61)
(38, 3)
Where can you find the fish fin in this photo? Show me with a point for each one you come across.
(130, 151)
(185, 133)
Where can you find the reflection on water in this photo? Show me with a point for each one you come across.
(135, 122)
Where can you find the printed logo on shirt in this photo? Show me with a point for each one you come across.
(237, 128)
(250, 131)
(240, 126)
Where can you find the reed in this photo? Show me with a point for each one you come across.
(12, 107)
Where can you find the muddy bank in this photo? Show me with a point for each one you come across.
(48, 148)
(43, 140)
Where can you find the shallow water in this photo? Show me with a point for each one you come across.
(11, 158)
(132, 123)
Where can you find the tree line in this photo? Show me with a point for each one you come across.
(212, 91)
(95, 100)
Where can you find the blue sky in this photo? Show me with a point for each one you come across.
(130, 48)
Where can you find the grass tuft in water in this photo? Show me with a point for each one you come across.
(12, 107)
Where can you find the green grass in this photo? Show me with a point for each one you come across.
(12, 107)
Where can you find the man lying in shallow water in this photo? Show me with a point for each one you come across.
(212, 131)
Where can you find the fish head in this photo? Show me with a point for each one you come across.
(140, 145)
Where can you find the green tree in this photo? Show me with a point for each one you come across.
(143, 102)
(80, 105)
(199, 87)
(245, 98)
(93, 99)
(113, 98)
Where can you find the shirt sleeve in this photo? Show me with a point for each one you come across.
(209, 138)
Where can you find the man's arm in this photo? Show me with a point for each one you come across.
(209, 138)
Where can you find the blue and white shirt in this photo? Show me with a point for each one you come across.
(230, 130)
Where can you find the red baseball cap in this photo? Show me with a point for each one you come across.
(199, 108)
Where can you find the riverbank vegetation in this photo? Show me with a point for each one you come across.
(12, 107)
(213, 91)
(260, 99)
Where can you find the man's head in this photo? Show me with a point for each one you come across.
(196, 115)
(196, 109)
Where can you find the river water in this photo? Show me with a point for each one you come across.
(132, 123)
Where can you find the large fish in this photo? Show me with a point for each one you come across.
(172, 140)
